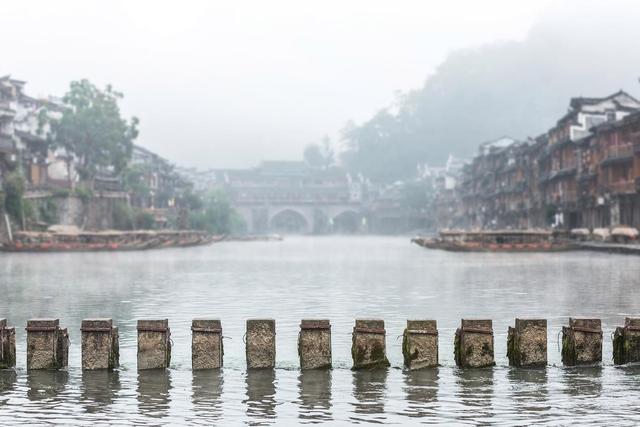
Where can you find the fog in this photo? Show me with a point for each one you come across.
(227, 84)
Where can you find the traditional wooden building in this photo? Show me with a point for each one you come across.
(581, 173)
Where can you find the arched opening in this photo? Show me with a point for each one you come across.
(347, 222)
(289, 221)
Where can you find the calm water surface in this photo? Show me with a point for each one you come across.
(336, 278)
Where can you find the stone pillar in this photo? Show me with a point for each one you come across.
(420, 344)
(261, 344)
(206, 344)
(626, 342)
(47, 344)
(473, 345)
(368, 345)
(527, 343)
(582, 342)
(154, 344)
(314, 344)
(7, 345)
(100, 346)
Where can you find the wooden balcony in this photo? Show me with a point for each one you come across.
(620, 187)
(617, 154)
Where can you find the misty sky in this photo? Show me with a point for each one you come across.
(227, 84)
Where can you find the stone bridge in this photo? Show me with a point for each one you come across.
(303, 218)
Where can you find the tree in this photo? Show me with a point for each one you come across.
(216, 215)
(319, 155)
(14, 187)
(92, 129)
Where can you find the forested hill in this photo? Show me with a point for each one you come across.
(512, 88)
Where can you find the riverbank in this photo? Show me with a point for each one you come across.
(72, 240)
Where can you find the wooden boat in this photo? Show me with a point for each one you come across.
(108, 240)
(496, 241)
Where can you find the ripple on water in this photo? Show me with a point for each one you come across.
(336, 278)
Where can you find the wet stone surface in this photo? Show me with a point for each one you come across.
(582, 342)
(527, 343)
(47, 344)
(206, 344)
(368, 346)
(626, 342)
(314, 344)
(154, 344)
(473, 345)
(7, 345)
(420, 344)
(100, 346)
(261, 344)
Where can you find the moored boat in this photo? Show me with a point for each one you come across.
(107, 240)
(496, 241)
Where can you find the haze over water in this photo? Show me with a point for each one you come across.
(340, 278)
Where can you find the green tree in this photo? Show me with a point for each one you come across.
(319, 155)
(92, 129)
(14, 187)
(216, 215)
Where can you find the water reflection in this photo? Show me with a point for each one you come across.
(45, 384)
(207, 392)
(421, 388)
(530, 394)
(315, 395)
(153, 392)
(99, 389)
(475, 392)
(584, 381)
(8, 379)
(369, 388)
(261, 392)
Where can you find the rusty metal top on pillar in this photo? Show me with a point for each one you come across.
(96, 325)
(161, 325)
(42, 325)
(213, 326)
(315, 324)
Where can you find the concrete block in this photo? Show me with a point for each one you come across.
(420, 344)
(314, 344)
(473, 345)
(47, 344)
(7, 345)
(527, 343)
(261, 344)
(626, 342)
(368, 346)
(154, 344)
(206, 344)
(100, 346)
(582, 342)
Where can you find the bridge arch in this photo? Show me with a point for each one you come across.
(346, 221)
(290, 220)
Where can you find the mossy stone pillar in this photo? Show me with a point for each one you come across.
(154, 344)
(582, 342)
(47, 344)
(100, 346)
(626, 342)
(420, 344)
(206, 344)
(261, 344)
(473, 344)
(368, 345)
(527, 343)
(7, 345)
(314, 344)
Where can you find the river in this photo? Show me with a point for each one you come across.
(339, 278)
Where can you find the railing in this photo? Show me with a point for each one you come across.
(620, 187)
(618, 151)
